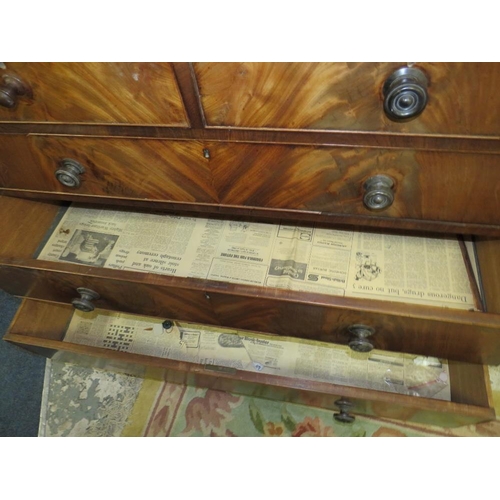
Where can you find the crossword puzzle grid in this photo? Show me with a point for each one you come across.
(119, 337)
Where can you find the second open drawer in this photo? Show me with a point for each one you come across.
(465, 335)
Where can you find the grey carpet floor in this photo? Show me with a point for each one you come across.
(21, 380)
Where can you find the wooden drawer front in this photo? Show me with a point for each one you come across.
(41, 327)
(427, 185)
(142, 93)
(432, 331)
(364, 402)
(432, 186)
(159, 170)
(462, 97)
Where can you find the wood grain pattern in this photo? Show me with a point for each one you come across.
(139, 93)
(430, 186)
(488, 252)
(290, 141)
(339, 221)
(43, 326)
(347, 96)
(446, 333)
(467, 383)
(24, 224)
(187, 83)
(152, 169)
(317, 394)
(423, 142)
(41, 320)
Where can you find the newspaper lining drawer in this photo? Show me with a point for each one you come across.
(41, 327)
(267, 149)
(418, 329)
(460, 335)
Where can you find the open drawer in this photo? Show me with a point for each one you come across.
(41, 327)
(456, 334)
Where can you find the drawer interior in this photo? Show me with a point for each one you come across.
(488, 258)
(31, 223)
(418, 329)
(41, 327)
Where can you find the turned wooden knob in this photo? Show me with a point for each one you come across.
(11, 87)
(344, 416)
(379, 193)
(69, 172)
(84, 302)
(405, 94)
(359, 338)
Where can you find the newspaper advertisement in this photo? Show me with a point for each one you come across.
(304, 258)
(283, 356)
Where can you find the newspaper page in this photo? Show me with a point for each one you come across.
(283, 356)
(304, 258)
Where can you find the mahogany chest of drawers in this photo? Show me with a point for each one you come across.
(412, 149)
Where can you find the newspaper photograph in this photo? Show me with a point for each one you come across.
(347, 263)
(274, 355)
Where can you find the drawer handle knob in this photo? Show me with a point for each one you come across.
(83, 303)
(11, 88)
(359, 338)
(69, 173)
(344, 416)
(378, 192)
(405, 94)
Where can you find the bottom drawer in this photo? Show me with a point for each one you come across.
(42, 326)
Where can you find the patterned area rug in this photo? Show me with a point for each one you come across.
(79, 401)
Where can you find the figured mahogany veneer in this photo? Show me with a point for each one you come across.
(98, 93)
(300, 180)
(259, 141)
(463, 97)
(442, 332)
(425, 330)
